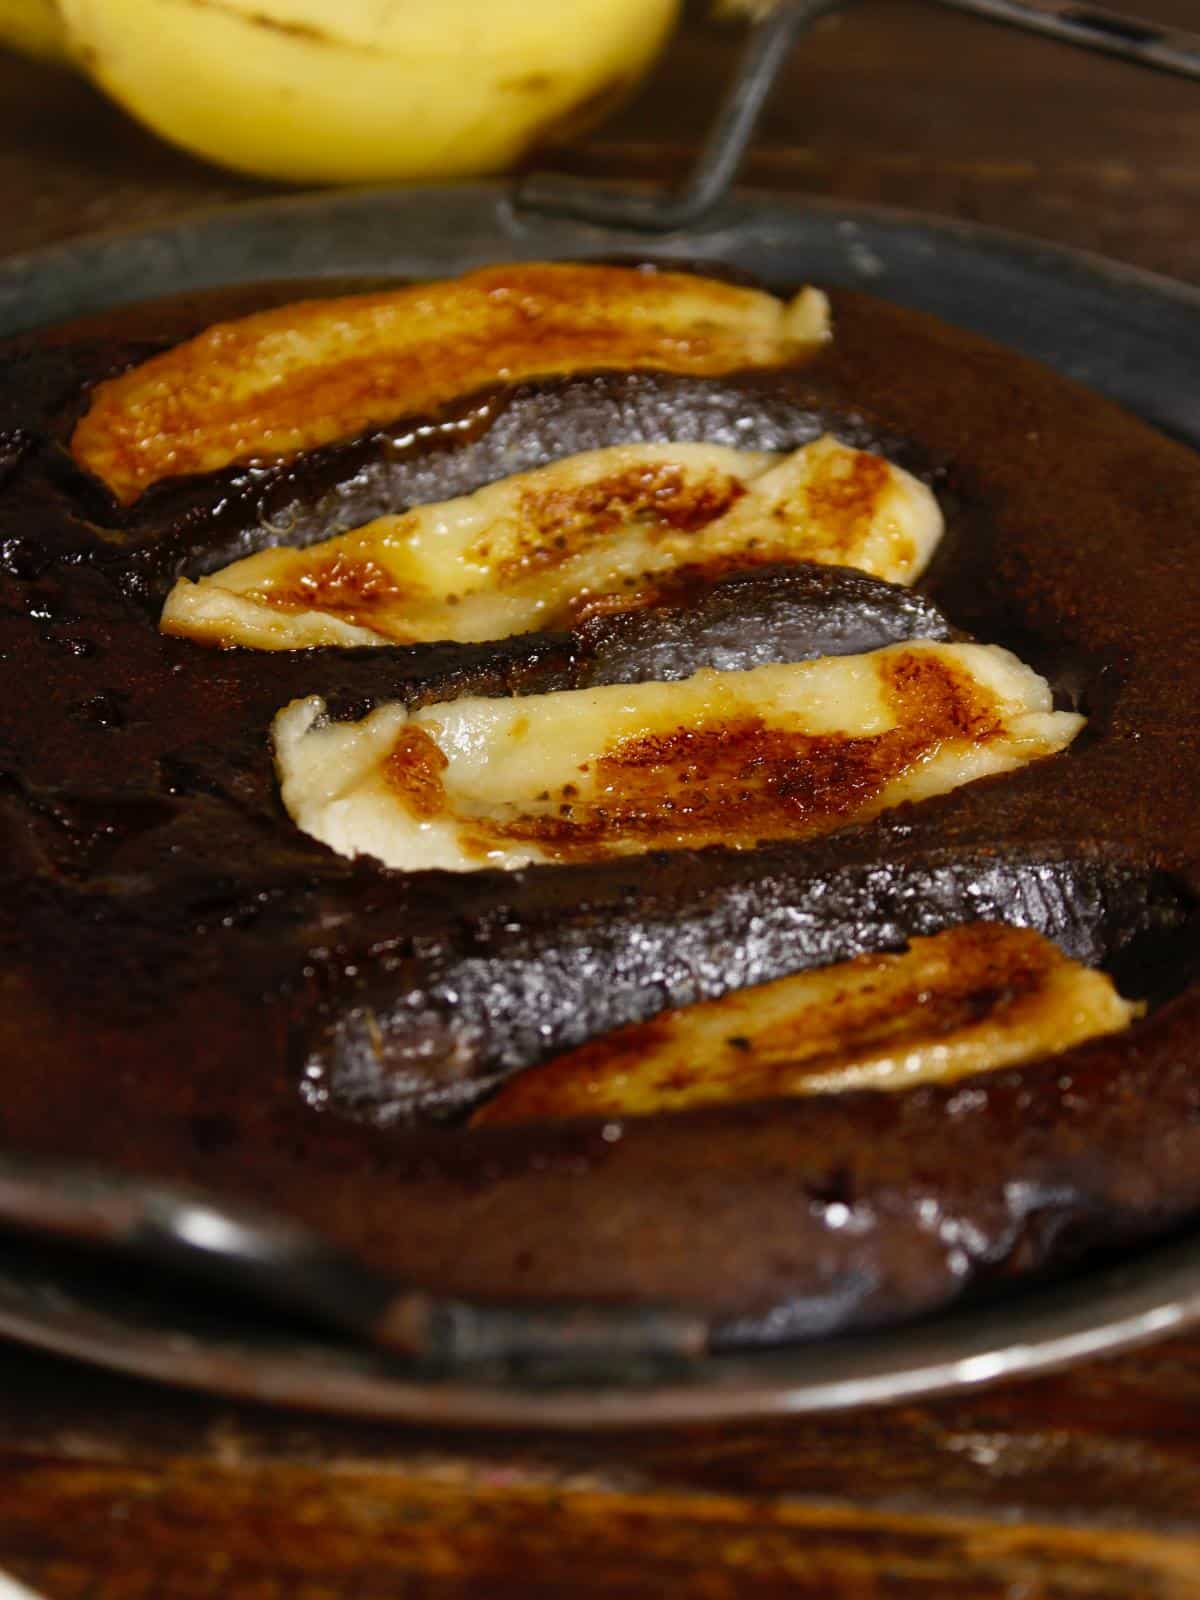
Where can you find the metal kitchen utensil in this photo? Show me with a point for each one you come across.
(769, 46)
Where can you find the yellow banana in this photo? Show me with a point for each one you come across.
(364, 90)
(35, 28)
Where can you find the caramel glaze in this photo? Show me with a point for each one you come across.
(889, 1005)
(300, 382)
(195, 990)
(354, 590)
(732, 781)
(552, 527)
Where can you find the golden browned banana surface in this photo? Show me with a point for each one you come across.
(976, 997)
(270, 385)
(586, 534)
(729, 758)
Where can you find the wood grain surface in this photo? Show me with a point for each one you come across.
(1083, 1485)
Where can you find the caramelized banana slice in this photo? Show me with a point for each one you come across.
(587, 533)
(270, 385)
(976, 997)
(726, 758)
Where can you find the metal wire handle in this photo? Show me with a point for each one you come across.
(770, 43)
(1170, 49)
(768, 48)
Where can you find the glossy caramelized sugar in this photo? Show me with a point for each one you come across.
(972, 999)
(270, 385)
(196, 989)
(591, 533)
(722, 758)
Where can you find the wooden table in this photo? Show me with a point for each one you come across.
(1085, 1485)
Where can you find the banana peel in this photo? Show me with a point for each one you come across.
(35, 28)
(353, 90)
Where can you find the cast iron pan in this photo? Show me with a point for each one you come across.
(1132, 337)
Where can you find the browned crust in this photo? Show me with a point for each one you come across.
(413, 769)
(558, 525)
(403, 351)
(354, 588)
(552, 527)
(736, 781)
(897, 1002)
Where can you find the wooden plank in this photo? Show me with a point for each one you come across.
(288, 1530)
(1113, 1441)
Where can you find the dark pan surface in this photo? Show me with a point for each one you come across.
(1129, 336)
